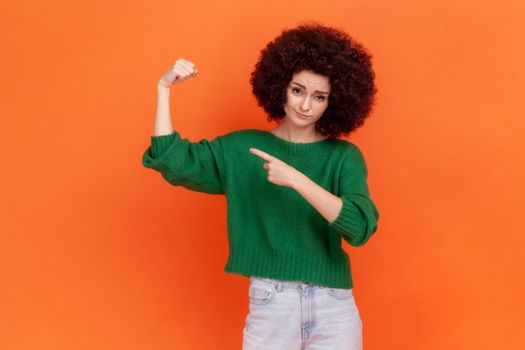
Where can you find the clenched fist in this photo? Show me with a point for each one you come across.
(177, 73)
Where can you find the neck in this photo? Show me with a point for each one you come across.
(297, 134)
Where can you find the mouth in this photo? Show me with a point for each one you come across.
(302, 116)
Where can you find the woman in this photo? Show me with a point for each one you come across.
(292, 192)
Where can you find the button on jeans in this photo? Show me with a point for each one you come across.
(289, 315)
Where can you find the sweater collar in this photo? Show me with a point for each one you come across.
(296, 147)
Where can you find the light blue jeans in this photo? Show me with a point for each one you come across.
(289, 315)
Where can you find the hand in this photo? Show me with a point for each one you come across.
(179, 72)
(279, 172)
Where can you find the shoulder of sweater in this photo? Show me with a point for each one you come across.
(352, 152)
(348, 146)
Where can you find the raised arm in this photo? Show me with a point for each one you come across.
(179, 72)
(194, 165)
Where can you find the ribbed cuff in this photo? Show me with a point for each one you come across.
(350, 219)
(159, 144)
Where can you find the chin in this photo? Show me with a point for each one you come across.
(300, 122)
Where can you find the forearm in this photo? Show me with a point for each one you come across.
(162, 119)
(326, 203)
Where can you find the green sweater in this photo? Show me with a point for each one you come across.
(273, 231)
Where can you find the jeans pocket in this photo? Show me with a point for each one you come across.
(261, 293)
(340, 293)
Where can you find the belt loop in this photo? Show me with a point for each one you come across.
(279, 286)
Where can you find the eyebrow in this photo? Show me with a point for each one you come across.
(304, 87)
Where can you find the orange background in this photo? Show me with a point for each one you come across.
(98, 252)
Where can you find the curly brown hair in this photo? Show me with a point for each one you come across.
(327, 51)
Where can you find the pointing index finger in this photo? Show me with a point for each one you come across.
(261, 154)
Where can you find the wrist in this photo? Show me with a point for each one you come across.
(299, 181)
(162, 87)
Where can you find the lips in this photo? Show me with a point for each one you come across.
(302, 115)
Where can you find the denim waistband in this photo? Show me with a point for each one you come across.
(279, 285)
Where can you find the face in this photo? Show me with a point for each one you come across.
(307, 94)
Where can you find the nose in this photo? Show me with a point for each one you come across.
(305, 105)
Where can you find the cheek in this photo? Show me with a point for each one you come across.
(292, 100)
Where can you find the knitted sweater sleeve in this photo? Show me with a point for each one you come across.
(358, 218)
(196, 166)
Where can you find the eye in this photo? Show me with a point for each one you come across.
(322, 97)
(296, 89)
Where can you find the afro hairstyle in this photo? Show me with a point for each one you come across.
(326, 51)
